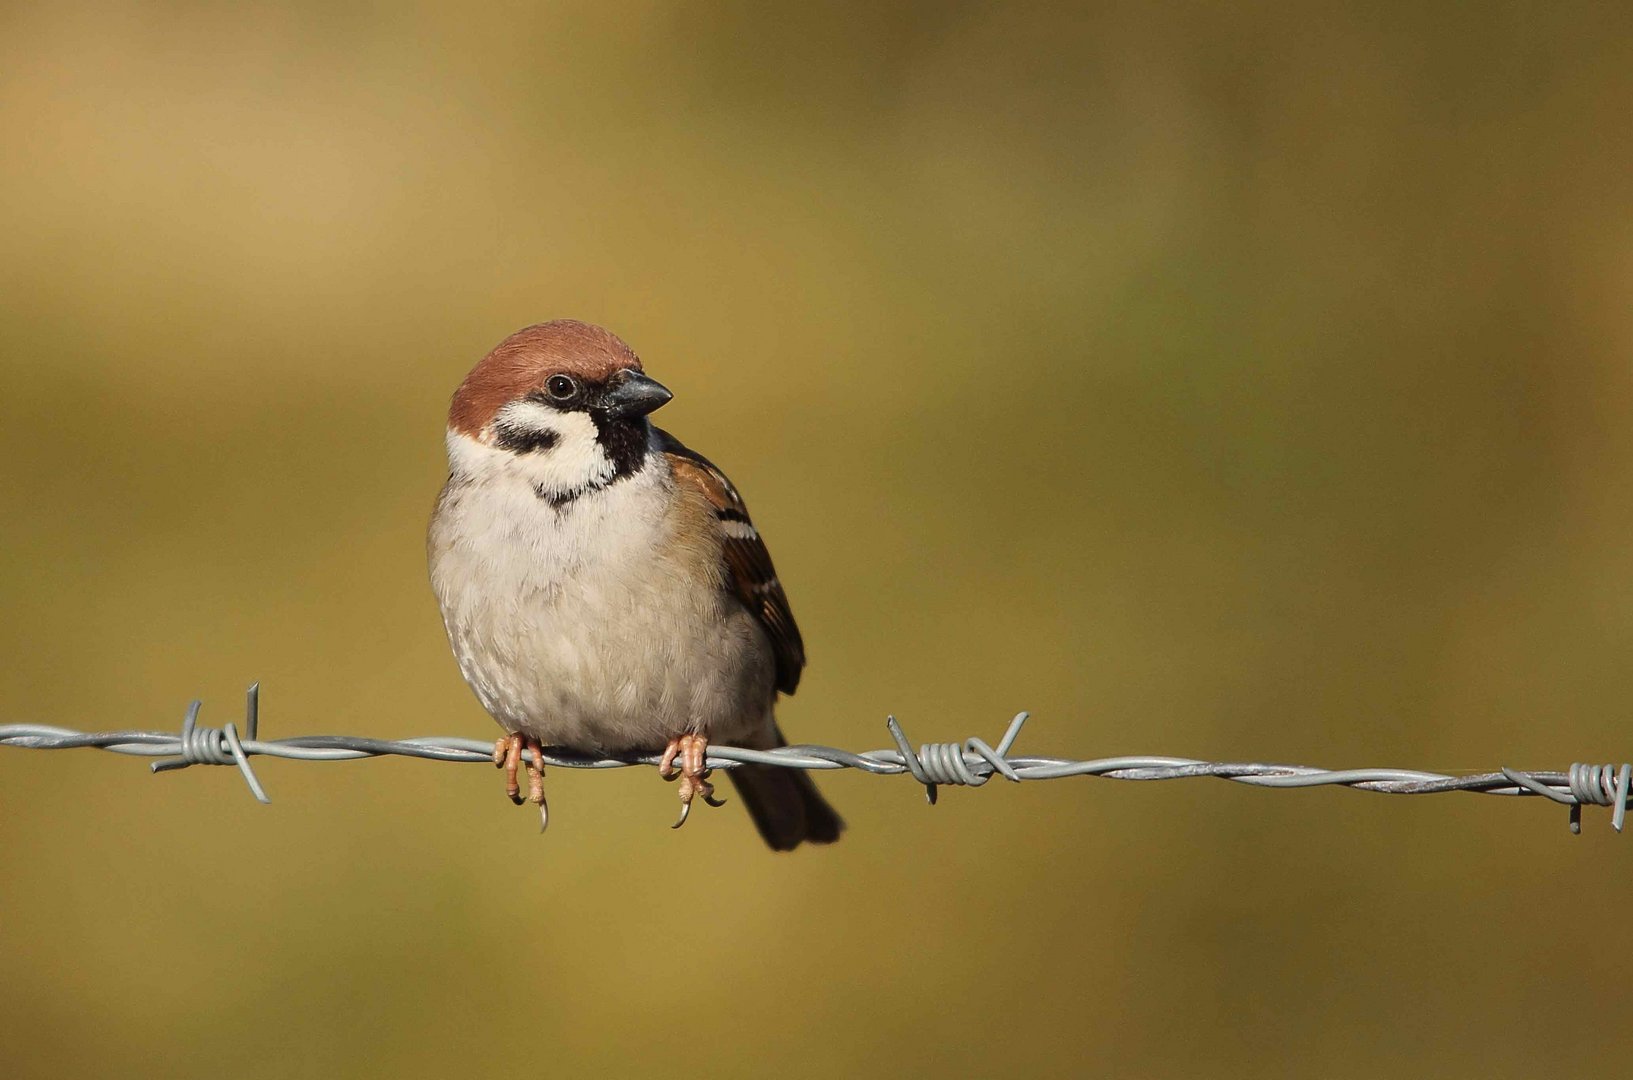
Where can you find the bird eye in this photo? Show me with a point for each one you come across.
(561, 387)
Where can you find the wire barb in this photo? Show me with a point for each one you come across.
(945, 763)
(1600, 785)
(968, 764)
(219, 746)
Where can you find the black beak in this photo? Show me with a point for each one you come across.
(633, 394)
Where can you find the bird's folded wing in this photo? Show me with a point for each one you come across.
(749, 573)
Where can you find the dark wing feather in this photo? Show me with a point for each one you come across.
(749, 573)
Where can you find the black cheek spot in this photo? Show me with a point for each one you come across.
(519, 440)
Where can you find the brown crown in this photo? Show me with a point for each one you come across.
(522, 362)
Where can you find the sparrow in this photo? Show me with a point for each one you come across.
(602, 585)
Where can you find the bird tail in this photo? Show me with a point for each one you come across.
(785, 804)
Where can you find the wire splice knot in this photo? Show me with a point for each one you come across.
(951, 763)
(219, 746)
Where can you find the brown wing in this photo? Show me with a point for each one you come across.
(749, 573)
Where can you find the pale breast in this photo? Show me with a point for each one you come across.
(599, 624)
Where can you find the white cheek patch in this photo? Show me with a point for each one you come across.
(573, 462)
(528, 416)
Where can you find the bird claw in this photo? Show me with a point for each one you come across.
(507, 755)
(703, 788)
(693, 774)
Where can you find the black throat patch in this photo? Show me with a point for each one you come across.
(623, 441)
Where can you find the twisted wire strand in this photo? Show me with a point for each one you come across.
(970, 763)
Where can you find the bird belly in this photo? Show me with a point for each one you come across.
(592, 626)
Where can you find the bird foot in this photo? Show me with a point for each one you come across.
(693, 751)
(507, 755)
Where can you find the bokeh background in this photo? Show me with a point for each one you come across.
(1211, 381)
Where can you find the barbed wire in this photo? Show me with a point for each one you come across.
(970, 763)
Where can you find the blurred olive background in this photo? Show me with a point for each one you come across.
(1241, 384)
